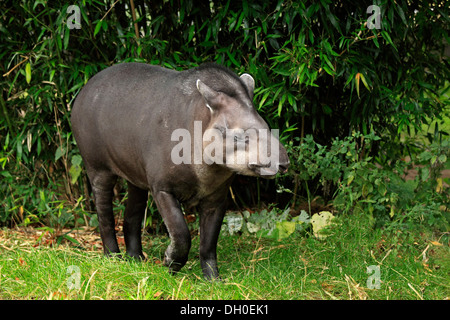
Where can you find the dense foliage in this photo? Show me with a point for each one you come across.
(324, 68)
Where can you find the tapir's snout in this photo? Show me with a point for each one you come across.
(269, 170)
(284, 163)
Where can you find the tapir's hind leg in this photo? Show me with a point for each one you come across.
(134, 213)
(102, 183)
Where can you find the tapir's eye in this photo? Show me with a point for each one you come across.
(222, 130)
(243, 138)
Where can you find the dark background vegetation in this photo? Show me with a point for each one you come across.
(358, 109)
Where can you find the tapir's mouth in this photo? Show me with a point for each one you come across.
(268, 171)
(264, 171)
(283, 167)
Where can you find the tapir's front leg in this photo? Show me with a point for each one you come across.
(177, 253)
(211, 217)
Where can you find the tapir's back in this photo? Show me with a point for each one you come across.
(121, 90)
(117, 112)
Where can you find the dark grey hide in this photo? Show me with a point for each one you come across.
(123, 121)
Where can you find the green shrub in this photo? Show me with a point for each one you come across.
(361, 186)
(269, 223)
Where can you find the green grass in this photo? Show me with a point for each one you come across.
(412, 266)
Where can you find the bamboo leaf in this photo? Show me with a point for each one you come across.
(191, 32)
(98, 27)
(364, 81)
(233, 60)
(241, 17)
(357, 76)
(28, 72)
(402, 15)
(328, 63)
(66, 38)
(328, 70)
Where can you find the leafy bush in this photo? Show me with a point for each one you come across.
(267, 223)
(343, 163)
(362, 186)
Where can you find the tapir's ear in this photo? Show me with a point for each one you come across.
(249, 83)
(208, 94)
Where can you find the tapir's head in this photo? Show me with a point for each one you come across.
(236, 135)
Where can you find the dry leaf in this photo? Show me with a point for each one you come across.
(22, 262)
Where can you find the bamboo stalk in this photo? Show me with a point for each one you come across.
(109, 10)
(17, 65)
(232, 197)
(133, 14)
(5, 112)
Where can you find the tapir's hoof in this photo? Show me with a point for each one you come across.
(213, 278)
(136, 257)
(210, 270)
(113, 255)
(174, 266)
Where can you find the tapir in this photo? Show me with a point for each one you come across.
(124, 120)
